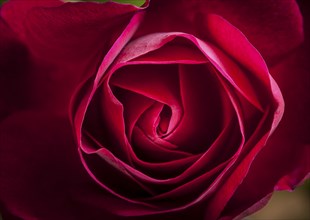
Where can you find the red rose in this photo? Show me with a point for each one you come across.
(168, 111)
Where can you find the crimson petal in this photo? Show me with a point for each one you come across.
(274, 28)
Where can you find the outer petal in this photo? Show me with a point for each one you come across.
(257, 66)
(287, 154)
(42, 176)
(66, 42)
(274, 27)
(39, 172)
(16, 11)
(55, 60)
(285, 161)
(13, 69)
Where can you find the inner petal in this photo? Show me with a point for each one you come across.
(164, 121)
(148, 150)
(149, 123)
(158, 82)
(134, 106)
(202, 98)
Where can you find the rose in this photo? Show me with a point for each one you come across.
(170, 118)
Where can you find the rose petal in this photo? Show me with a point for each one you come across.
(65, 42)
(15, 12)
(49, 174)
(14, 67)
(134, 106)
(286, 155)
(158, 82)
(104, 121)
(84, 96)
(53, 171)
(160, 48)
(274, 28)
(181, 195)
(148, 123)
(208, 161)
(201, 95)
(148, 150)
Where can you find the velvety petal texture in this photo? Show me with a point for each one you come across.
(14, 65)
(172, 110)
(274, 28)
(63, 42)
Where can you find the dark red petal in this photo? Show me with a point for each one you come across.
(14, 67)
(15, 12)
(161, 48)
(292, 136)
(42, 176)
(165, 170)
(191, 192)
(148, 123)
(201, 98)
(202, 162)
(150, 151)
(274, 27)
(105, 123)
(252, 147)
(272, 114)
(66, 41)
(158, 82)
(284, 162)
(88, 143)
(240, 48)
(134, 106)
(40, 169)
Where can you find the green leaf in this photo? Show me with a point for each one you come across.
(133, 2)
(1, 1)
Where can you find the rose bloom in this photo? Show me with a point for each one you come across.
(171, 110)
